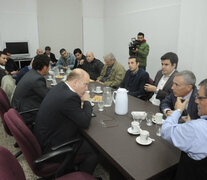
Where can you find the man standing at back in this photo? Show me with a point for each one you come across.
(163, 79)
(141, 51)
(32, 88)
(63, 113)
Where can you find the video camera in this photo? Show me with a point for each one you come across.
(133, 44)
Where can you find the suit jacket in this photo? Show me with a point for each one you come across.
(29, 93)
(167, 87)
(170, 100)
(52, 57)
(60, 116)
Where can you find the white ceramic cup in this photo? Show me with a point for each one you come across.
(144, 135)
(135, 126)
(61, 71)
(158, 118)
(49, 77)
(98, 89)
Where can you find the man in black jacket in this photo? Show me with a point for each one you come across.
(65, 110)
(32, 88)
(135, 79)
(48, 52)
(92, 66)
(80, 58)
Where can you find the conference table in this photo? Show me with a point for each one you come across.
(120, 149)
(132, 160)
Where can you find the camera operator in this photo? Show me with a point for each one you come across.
(140, 49)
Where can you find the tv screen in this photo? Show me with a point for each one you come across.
(18, 48)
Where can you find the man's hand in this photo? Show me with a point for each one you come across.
(99, 82)
(14, 72)
(135, 51)
(150, 88)
(169, 112)
(65, 67)
(85, 97)
(81, 62)
(180, 105)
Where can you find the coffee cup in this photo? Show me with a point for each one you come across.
(144, 136)
(158, 118)
(135, 126)
(49, 77)
(98, 89)
(61, 71)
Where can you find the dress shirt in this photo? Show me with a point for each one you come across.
(184, 98)
(190, 137)
(2, 67)
(70, 87)
(160, 85)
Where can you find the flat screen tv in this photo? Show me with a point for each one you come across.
(18, 48)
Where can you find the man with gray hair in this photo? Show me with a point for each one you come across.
(190, 137)
(184, 87)
(112, 73)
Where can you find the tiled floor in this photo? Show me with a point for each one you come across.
(8, 141)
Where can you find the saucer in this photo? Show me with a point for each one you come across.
(130, 131)
(53, 84)
(154, 121)
(144, 143)
(49, 79)
(97, 92)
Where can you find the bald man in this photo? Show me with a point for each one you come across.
(64, 111)
(92, 65)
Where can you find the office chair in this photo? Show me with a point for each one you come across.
(10, 169)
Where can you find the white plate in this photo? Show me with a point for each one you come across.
(53, 84)
(130, 131)
(99, 92)
(49, 79)
(143, 143)
(154, 121)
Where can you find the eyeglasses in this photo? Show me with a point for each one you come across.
(200, 97)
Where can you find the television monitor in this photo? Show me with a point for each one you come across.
(18, 48)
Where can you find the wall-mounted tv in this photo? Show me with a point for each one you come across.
(18, 48)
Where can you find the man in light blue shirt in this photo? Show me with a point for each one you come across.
(67, 60)
(190, 137)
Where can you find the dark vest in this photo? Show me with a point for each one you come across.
(190, 169)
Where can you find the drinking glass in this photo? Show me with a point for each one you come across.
(158, 129)
(100, 105)
(149, 118)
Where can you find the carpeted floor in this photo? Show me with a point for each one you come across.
(8, 141)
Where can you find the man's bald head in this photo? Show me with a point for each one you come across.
(89, 56)
(78, 79)
(39, 51)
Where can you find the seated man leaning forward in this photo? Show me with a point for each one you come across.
(67, 60)
(183, 86)
(112, 73)
(32, 88)
(190, 137)
(65, 110)
(163, 80)
(135, 78)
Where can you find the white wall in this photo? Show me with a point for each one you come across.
(192, 46)
(158, 20)
(93, 27)
(18, 20)
(60, 24)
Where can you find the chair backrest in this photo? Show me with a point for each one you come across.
(24, 137)
(10, 168)
(4, 107)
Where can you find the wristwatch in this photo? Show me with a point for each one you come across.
(157, 90)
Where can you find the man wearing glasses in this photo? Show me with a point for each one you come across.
(190, 137)
(184, 87)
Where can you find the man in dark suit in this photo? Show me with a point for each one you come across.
(32, 88)
(3, 60)
(163, 79)
(184, 87)
(53, 60)
(80, 58)
(63, 113)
